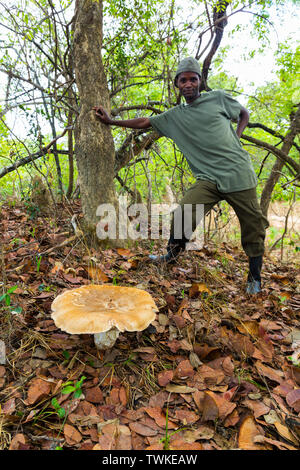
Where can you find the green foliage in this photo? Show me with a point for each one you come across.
(7, 301)
(74, 387)
(6, 297)
(61, 412)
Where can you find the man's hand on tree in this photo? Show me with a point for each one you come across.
(136, 123)
(102, 114)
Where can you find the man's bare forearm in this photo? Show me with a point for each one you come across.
(136, 123)
(242, 122)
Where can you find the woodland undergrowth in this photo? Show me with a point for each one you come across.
(216, 370)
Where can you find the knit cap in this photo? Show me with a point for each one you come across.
(189, 64)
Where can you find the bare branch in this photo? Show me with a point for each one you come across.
(117, 111)
(275, 151)
(33, 156)
(258, 125)
(133, 146)
(220, 21)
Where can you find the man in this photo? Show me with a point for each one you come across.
(202, 130)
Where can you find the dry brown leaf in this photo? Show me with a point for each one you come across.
(180, 444)
(174, 345)
(228, 366)
(229, 394)
(164, 377)
(266, 348)
(142, 429)
(79, 420)
(108, 427)
(210, 408)
(257, 407)
(285, 294)
(72, 435)
(114, 396)
(96, 274)
(295, 374)
(202, 432)
(38, 390)
(283, 388)
(123, 396)
(179, 388)
(249, 327)
(72, 279)
(241, 344)
(187, 417)
(106, 442)
(279, 277)
(198, 397)
(86, 445)
(146, 349)
(170, 299)
(124, 252)
(199, 288)
(57, 267)
(293, 399)
(183, 305)
(203, 350)
(274, 375)
(179, 321)
(247, 433)
(280, 444)
(186, 345)
(97, 447)
(281, 403)
(285, 432)
(184, 369)
(269, 325)
(225, 407)
(94, 395)
(18, 442)
(232, 419)
(209, 376)
(160, 418)
(9, 407)
(123, 438)
(159, 399)
(129, 264)
(158, 446)
(86, 408)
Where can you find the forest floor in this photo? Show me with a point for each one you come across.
(216, 370)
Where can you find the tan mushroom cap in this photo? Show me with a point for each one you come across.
(98, 308)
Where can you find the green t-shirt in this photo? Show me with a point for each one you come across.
(203, 132)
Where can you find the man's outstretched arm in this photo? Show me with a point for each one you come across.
(242, 122)
(137, 123)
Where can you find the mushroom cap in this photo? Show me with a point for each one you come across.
(97, 308)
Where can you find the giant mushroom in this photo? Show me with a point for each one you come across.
(104, 311)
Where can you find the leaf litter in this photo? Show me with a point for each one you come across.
(217, 369)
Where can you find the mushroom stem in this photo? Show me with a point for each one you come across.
(107, 339)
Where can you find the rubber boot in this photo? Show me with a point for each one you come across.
(254, 279)
(174, 248)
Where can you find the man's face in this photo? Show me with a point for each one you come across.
(188, 84)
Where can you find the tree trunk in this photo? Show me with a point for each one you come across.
(279, 164)
(94, 145)
(70, 156)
